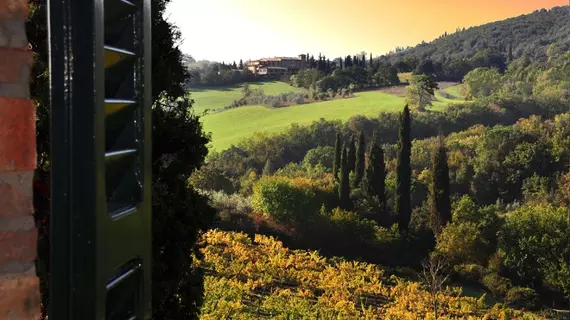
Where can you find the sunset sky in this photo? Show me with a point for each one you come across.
(227, 30)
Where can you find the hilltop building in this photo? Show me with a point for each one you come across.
(278, 66)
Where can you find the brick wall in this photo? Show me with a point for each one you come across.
(19, 286)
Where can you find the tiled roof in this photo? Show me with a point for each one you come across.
(278, 59)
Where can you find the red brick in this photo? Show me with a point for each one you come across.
(17, 135)
(18, 246)
(16, 195)
(14, 8)
(20, 298)
(12, 62)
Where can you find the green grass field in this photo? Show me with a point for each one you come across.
(219, 97)
(455, 91)
(231, 126)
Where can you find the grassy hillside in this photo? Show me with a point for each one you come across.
(231, 126)
(259, 278)
(219, 97)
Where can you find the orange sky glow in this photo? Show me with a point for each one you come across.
(227, 30)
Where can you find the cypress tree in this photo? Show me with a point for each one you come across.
(234, 65)
(360, 161)
(403, 172)
(351, 155)
(268, 168)
(510, 54)
(364, 61)
(341, 66)
(374, 181)
(240, 64)
(337, 152)
(344, 185)
(371, 61)
(439, 203)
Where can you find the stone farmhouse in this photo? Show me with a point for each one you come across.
(277, 66)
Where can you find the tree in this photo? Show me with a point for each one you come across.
(425, 67)
(348, 61)
(177, 288)
(421, 91)
(404, 172)
(351, 154)
(234, 65)
(527, 233)
(481, 82)
(360, 161)
(240, 64)
(286, 201)
(344, 185)
(462, 243)
(374, 181)
(337, 155)
(433, 275)
(439, 201)
(489, 58)
(268, 168)
(319, 156)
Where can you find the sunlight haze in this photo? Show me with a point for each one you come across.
(227, 30)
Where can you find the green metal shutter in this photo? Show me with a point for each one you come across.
(101, 153)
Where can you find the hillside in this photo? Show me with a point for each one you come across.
(222, 96)
(363, 197)
(529, 35)
(228, 127)
(259, 278)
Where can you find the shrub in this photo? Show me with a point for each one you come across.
(319, 155)
(290, 200)
(258, 97)
(209, 177)
(331, 93)
(496, 263)
(496, 284)
(524, 238)
(322, 96)
(247, 181)
(461, 243)
(228, 204)
(472, 273)
(350, 223)
(523, 298)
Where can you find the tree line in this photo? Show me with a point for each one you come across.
(369, 174)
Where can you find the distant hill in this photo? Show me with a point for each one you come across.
(529, 35)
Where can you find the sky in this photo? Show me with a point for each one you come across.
(229, 30)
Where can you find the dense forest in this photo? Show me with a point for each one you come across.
(526, 35)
